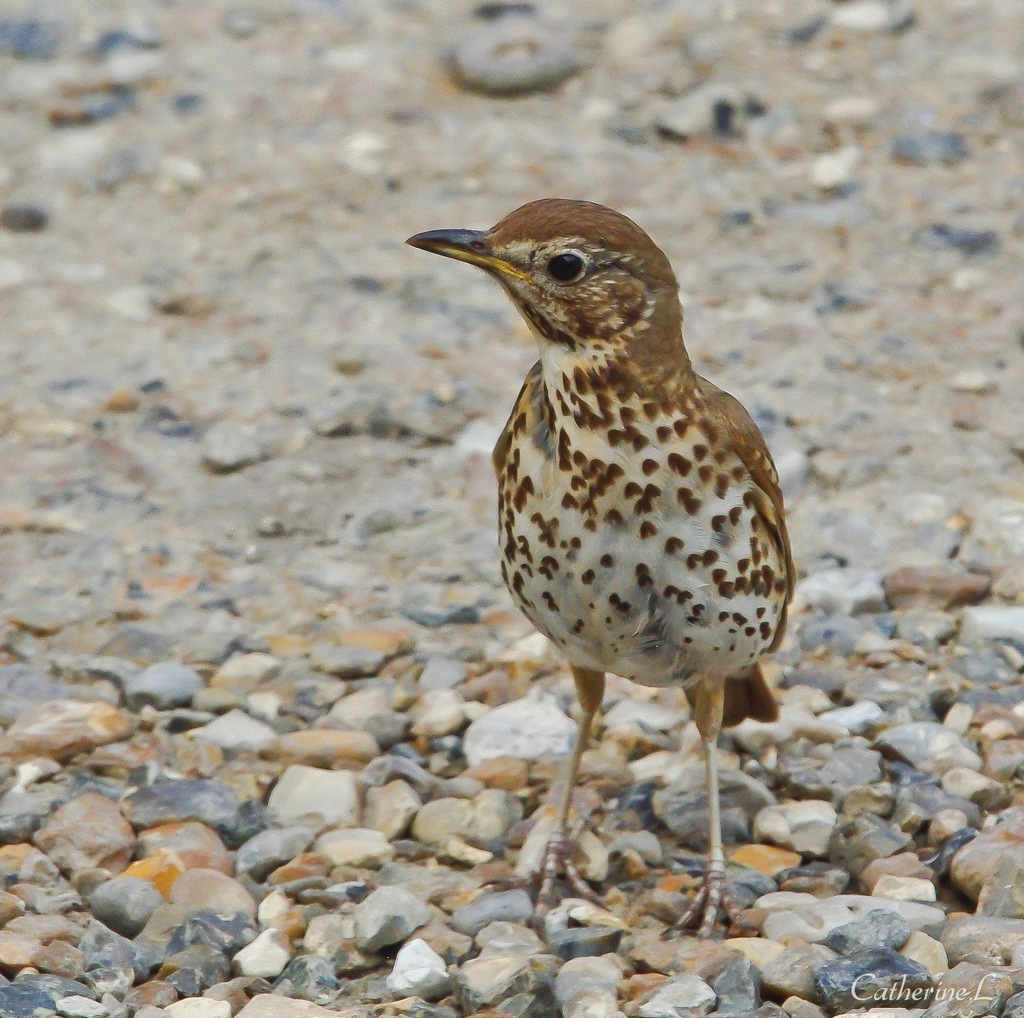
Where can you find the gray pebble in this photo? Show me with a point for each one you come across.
(443, 673)
(210, 802)
(992, 622)
(514, 56)
(881, 928)
(861, 840)
(308, 977)
(687, 994)
(843, 591)
(228, 446)
(271, 848)
(841, 296)
(839, 633)
(163, 685)
(846, 768)
(737, 986)
(846, 983)
(346, 662)
(917, 742)
(930, 147)
(125, 904)
(29, 38)
(388, 916)
(24, 216)
(492, 906)
(524, 983)
(941, 237)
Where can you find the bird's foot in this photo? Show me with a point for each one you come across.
(547, 857)
(713, 900)
(558, 861)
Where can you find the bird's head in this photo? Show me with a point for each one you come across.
(583, 276)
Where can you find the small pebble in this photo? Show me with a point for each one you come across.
(24, 217)
(419, 971)
(388, 916)
(514, 56)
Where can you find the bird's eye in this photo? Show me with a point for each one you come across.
(566, 267)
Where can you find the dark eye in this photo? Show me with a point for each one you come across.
(566, 268)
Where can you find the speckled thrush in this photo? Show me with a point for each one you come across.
(641, 523)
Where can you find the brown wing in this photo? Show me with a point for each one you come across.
(748, 443)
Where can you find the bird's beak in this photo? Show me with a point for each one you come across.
(470, 246)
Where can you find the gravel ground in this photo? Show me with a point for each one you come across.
(271, 728)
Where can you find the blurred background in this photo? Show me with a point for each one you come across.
(235, 409)
(249, 588)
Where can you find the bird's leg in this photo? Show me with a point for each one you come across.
(712, 898)
(558, 855)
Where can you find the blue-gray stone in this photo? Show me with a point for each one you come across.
(869, 978)
(879, 928)
(264, 852)
(209, 802)
(941, 236)
(125, 904)
(25, 1002)
(226, 932)
(163, 685)
(509, 906)
(930, 147)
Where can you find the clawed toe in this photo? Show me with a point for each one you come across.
(556, 863)
(713, 900)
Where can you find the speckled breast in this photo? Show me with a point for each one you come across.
(636, 548)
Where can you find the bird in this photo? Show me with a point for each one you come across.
(641, 523)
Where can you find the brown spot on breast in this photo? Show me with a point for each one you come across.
(700, 452)
(647, 529)
(649, 466)
(607, 561)
(664, 432)
(523, 491)
(618, 604)
(588, 576)
(645, 503)
(674, 545)
(564, 454)
(679, 464)
(718, 523)
(614, 517)
(689, 501)
(704, 472)
(569, 501)
(710, 557)
(721, 485)
(632, 489)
